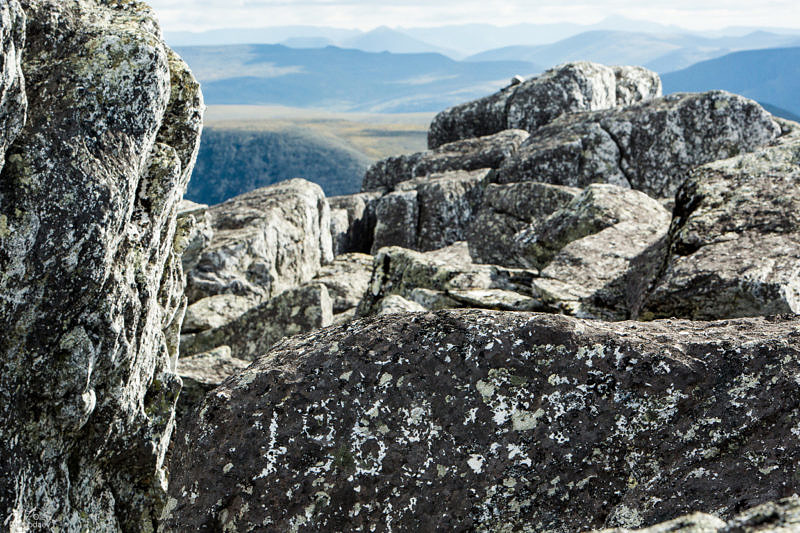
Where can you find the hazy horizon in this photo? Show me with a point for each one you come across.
(205, 15)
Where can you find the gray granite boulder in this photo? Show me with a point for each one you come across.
(487, 421)
(446, 278)
(649, 146)
(430, 213)
(782, 516)
(13, 100)
(734, 244)
(91, 283)
(568, 88)
(468, 154)
(508, 209)
(264, 242)
(303, 308)
(346, 279)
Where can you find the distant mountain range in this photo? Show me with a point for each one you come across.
(659, 52)
(771, 77)
(463, 40)
(344, 79)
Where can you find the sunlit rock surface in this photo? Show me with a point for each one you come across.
(91, 283)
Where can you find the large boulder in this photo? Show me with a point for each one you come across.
(734, 245)
(649, 146)
(264, 242)
(474, 420)
(469, 154)
(430, 213)
(508, 209)
(589, 251)
(13, 101)
(569, 88)
(91, 286)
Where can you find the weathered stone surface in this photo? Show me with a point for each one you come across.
(475, 420)
(202, 372)
(304, 308)
(13, 101)
(508, 209)
(347, 279)
(782, 516)
(91, 284)
(734, 247)
(265, 242)
(598, 207)
(650, 146)
(569, 88)
(431, 213)
(394, 303)
(194, 232)
(465, 155)
(436, 279)
(356, 234)
(397, 215)
(215, 311)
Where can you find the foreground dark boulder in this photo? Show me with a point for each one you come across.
(568, 88)
(91, 291)
(497, 422)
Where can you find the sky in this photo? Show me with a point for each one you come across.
(201, 15)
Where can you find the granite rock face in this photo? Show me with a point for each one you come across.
(649, 146)
(464, 420)
(782, 516)
(569, 88)
(734, 244)
(13, 101)
(468, 154)
(300, 309)
(446, 278)
(430, 213)
(91, 284)
(508, 209)
(264, 242)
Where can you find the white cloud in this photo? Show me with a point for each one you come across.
(699, 14)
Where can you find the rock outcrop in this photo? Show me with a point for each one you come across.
(468, 154)
(264, 242)
(569, 88)
(430, 213)
(91, 291)
(463, 420)
(782, 516)
(734, 246)
(13, 101)
(303, 308)
(650, 146)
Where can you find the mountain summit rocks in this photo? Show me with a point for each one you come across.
(573, 87)
(91, 283)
